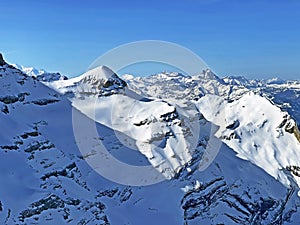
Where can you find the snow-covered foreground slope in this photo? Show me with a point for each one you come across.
(47, 178)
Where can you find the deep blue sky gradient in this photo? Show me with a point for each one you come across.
(257, 38)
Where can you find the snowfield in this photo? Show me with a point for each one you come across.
(166, 149)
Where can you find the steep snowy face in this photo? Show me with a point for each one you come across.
(41, 75)
(257, 131)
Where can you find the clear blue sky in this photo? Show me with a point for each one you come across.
(255, 38)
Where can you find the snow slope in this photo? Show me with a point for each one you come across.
(284, 93)
(48, 179)
(275, 139)
(249, 113)
(257, 131)
(159, 131)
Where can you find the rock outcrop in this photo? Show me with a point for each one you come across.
(2, 62)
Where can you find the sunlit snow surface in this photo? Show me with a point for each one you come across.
(45, 178)
(251, 127)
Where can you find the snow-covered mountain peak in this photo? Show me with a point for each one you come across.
(98, 77)
(40, 74)
(100, 81)
(236, 80)
(99, 73)
(30, 71)
(275, 80)
(169, 75)
(208, 74)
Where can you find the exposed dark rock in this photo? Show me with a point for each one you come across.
(10, 99)
(232, 135)
(168, 117)
(199, 201)
(30, 134)
(9, 147)
(125, 194)
(295, 130)
(70, 171)
(42, 145)
(45, 101)
(2, 62)
(36, 208)
(50, 202)
(109, 193)
(290, 126)
(294, 170)
(64, 172)
(102, 86)
(234, 125)
(50, 77)
(5, 109)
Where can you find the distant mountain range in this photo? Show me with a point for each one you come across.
(40, 74)
(164, 149)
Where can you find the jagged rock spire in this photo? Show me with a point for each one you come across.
(2, 62)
